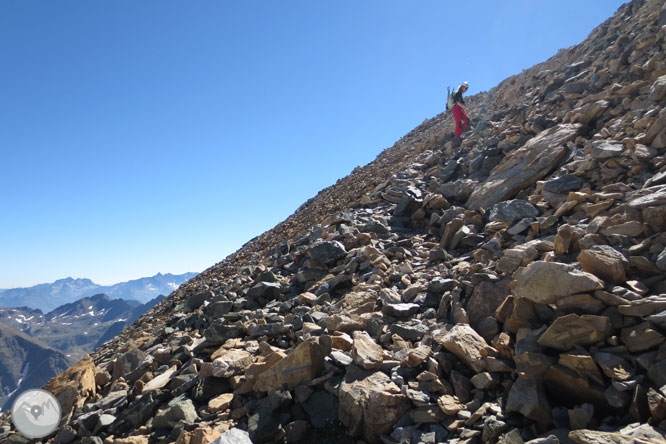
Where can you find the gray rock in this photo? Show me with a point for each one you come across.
(321, 408)
(327, 252)
(440, 285)
(606, 150)
(411, 332)
(565, 183)
(512, 210)
(658, 89)
(178, 409)
(234, 436)
(265, 290)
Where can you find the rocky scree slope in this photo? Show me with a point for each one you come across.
(508, 287)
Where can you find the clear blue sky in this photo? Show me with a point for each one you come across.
(151, 136)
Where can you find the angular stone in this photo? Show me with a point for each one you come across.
(658, 89)
(528, 398)
(231, 362)
(417, 356)
(644, 307)
(265, 290)
(301, 365)
(614, 366)
(413, 331)
(572, 386)
(327, 252)
(606, 150)
(562, 184)
(220, 403)
(370, 403)
(513, 210)
(523, 167)
(571, 330)
(467, 345)
(546, 282)
(651, 200)
(178, 409)
(485, 300)
(595, 437)
(234, 436)
(641, 337)
(160, 381)
(321, 408)
(605, 262)
(450, 404)
(582, 363)
(366, 352)
(74, 386)
(401, 310)
(632, 228)
(655, 217)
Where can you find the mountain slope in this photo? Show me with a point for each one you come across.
(25, 363)
(499, 288)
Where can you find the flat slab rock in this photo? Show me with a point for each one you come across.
(596, 437)
(524, 166)
(546, 282)
(467, 345)
(234, 436)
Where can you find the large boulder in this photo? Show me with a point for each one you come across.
(546, 282)
(523, 167)
(370, 403)
(301, 365)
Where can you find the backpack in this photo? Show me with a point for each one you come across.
(450, 101)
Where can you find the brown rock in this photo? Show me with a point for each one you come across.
(449, 231)
(582, 363)
(220, 403)
(366, 352)
(417, 356)
(528, 398)
(523, 167)
(142, 439)
(596, 437)
(571, 330)
(546, 282)
(160, 381)
(74, 386)
(301, 365)
(613, 366)
(641, 337)
(450, 405)
(571, 385)
(633, 228)
(656, 404)
(467, 345)
(485, 300)
(370, 403)
(605, 262)
(341, 341)
(231, 362)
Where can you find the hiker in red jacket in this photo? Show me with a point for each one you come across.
(460, 113)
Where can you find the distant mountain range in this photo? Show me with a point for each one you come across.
(47, 297)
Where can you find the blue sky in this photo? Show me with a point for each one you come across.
(151, 136)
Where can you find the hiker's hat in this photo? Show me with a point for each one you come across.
(465, 84)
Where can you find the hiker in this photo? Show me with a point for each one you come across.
(460, 113)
